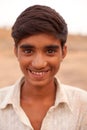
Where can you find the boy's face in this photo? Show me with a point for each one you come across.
(39, 57)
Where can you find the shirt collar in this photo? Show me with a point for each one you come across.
(11, 95)
(61, 96)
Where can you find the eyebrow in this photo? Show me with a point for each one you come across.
(52, 46)
(26, 46)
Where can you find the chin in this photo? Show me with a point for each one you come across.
(40, 84)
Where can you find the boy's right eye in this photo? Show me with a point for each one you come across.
(27, 51)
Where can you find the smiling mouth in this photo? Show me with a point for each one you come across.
(38, 73)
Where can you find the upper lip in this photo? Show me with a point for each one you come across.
(38, 71)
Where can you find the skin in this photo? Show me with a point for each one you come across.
(39, 57)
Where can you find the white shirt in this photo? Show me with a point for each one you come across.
(68, 113)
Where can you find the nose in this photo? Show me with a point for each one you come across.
(39, 62)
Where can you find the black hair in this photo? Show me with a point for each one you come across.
(39, 19)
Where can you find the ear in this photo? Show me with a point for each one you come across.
(64, 51)
(16, 51)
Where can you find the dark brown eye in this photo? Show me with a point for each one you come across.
(51, 51)
(27, 51)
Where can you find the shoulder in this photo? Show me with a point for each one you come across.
(9, 92)
(10, 88)
(75, 94)
(5, 92)
(6, 89)
(74, 90)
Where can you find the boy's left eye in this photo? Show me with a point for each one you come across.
(51, 51)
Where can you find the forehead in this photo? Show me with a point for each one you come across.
(40, 40)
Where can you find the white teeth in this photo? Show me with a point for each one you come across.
(37, 73)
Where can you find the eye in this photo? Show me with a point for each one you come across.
(27, 51)
(51, 51)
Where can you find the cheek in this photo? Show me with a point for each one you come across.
(56, 63)
(22, 62)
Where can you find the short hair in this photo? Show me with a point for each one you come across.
(39, 19)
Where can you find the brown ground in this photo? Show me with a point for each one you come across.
(73, 69)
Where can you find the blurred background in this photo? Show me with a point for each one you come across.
(73, 70)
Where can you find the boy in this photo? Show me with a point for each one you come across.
(38, 101)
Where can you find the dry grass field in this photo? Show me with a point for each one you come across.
(73, 70)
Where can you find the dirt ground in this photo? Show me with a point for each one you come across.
(73, 70)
